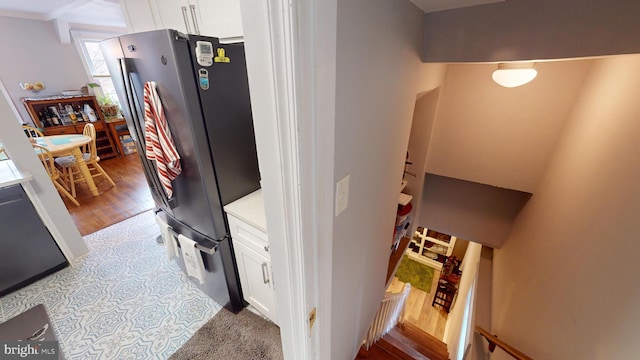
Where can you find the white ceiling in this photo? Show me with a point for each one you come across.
(108, 12)
(439, 5)
(88, 12)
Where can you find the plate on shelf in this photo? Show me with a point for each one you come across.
(71, 92)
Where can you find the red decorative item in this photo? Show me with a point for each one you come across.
(404, 210)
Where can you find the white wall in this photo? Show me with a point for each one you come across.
(377, 67)
(424, 117)
(459, 320)
(32, 52)
(482, 311)
(566, 282)
(501, 136)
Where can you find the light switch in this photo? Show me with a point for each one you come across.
(342, 194)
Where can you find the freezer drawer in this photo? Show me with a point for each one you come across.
(221, 281)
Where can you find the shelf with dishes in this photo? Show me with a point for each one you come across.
(58, 115)
(431, 247)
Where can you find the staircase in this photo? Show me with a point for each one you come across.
(406, 342)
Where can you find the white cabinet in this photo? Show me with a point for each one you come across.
(138, 15)
(256, 280)
(181, 15)
(251, 248)
(218, 18)
(431, 247)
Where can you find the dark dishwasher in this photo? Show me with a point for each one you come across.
(28, 252)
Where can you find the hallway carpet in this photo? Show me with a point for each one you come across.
(231, 336)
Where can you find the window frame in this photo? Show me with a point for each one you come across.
(79, 40)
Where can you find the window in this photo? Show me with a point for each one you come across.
(98, 68)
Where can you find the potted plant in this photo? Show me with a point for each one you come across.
(88, 89)
(110, 110)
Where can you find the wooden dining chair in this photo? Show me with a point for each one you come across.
(47, 160)
(32, 132)
(70, 170)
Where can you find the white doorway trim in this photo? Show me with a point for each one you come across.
(290, 92)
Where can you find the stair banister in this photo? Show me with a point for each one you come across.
(494, 341)
(390, 313)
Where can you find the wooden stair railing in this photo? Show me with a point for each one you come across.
(494, 341)
(390, 313)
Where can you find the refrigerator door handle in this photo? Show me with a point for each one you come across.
(135, 110)
(196, 28)
(210, 248)
(124, 72)
(185, 17)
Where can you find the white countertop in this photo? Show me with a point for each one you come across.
(10, 175)
(249, 209)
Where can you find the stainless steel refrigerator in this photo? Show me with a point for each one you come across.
(204, 90)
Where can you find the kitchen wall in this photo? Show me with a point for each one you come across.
(378, 59)
(33, 52)
(566, 282)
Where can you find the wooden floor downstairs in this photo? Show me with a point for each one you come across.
(129, 197)
(419, 311)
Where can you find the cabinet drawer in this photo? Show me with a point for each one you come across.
(249, 235)
(63, 130)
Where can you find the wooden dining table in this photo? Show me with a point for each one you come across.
(64, 145)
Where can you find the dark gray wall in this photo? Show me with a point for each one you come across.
(533, 29)
(472, 211)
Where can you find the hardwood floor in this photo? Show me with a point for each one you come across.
(129, 197)
(419, 311)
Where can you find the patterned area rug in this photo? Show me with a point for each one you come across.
(418, 275)
(124, 300)
(231, 336)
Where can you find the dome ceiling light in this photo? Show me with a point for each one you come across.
(514, 74)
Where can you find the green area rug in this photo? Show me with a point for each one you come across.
(418, 275)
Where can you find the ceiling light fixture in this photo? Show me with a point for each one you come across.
(514, 74)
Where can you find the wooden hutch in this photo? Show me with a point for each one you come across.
(105, 145)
